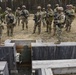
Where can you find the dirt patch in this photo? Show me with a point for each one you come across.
(27, 34)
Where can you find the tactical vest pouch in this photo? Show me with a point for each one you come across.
(24, 14)
(51, 18)
(60, 25)
(11, 19)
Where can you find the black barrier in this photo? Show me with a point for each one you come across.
(54, 52)
(7, 54)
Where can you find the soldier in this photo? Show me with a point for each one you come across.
(55, 16)
(10, 21)
(70, 14)
(1, 18)
(59, 22)
(1, 29)
(49, 18)
(6, 11)
(44, 17)
(17, 14)
(75, 8)
(24, 17)
(55, 10)
(37, 19)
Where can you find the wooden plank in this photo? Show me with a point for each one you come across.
(52, 44)
(43, 71)
(71, 70)
(22, 41)
(48, 72)
(54, 64)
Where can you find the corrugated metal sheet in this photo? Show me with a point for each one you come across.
(54, 52)
(7, 54)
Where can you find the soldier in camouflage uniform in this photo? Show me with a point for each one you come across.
(24, 17)
(44, 17)
(75, 8)
(10, 21)
(49, 18)
(1, 13)
(6, 11)
(70, 14)
(55, 10)
(1, 29)
(37, 19)
(59, 22)
(55, 16)
(17, 14)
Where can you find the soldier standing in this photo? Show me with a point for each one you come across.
(44, 17)
(1, 17)
(55, 10)
(37, 19)
(55, 17)
(10, 21)
(1, 30)
(6, 11)
(17, 14)
(59, 22)
(24, 17)
(49, 18)
(70, 14)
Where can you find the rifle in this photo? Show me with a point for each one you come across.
(37, 19)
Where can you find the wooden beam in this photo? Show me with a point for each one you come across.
(68, 70)
(43, 71)
(52, 44)
(54, 64)
(48, 71)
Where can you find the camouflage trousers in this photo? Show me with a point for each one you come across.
(1, 32)
(58, 33)
(49, 24)
(0, 38)
(18, 20)
(24, 21)
(10, 28)
(68, 25)
(44, 22)
(39, 27)
(54, 28)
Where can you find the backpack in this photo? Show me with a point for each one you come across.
(25, 14)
